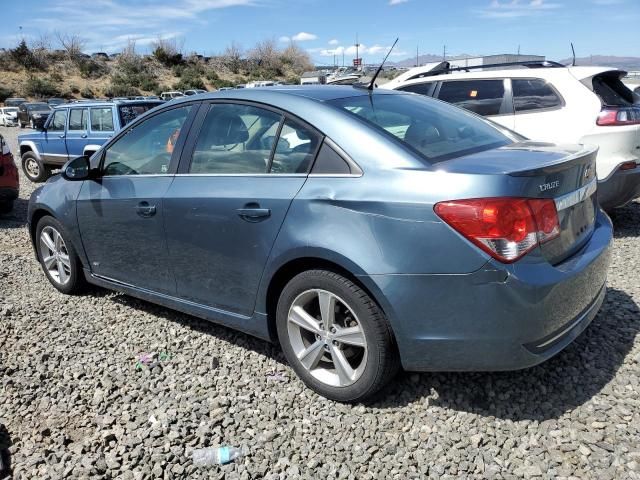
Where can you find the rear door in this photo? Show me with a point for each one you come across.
(77, 131)
(487, 97)
(228, 201)
(101, 126)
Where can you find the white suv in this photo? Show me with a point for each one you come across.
(550, 102)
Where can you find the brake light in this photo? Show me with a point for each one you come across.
(505, 228)
(610, 117)
(628, 165)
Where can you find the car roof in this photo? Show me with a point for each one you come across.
(107, 103)
(320, 93)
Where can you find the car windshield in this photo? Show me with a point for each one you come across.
(11, 110)
(39, 106)
(437, 131)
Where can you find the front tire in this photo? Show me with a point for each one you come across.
(335, 337)
(34, 169)
(58, 258)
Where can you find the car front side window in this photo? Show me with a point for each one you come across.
(78, 119)
(147, 148)
(58, 121)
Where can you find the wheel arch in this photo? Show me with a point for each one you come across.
(292, 267)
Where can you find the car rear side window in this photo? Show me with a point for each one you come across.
(102, 119)
(58, 121)
(295, 150)
(129, 112)
(235, 139)
(78, 119)
(435, 130)
(484, 97)
(533, 94)
(421, 88)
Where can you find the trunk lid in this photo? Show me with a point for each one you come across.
(566, 174)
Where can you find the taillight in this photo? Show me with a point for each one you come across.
(610, 117)
(505, 228)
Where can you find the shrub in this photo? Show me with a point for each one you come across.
(24, 57)
(121, 90)
(90, 68)
(86, 92)
(189, 82)
(212, 76)
(74, 88)
(167, 57)
(41, 87)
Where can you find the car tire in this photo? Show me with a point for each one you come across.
(34, 169)
(348, 358)
(58, 258)
(32, 124)
(6, 207)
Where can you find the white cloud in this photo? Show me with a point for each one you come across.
(397, 2)
(284, 39)
(304, 37)
(334, 42)
(376, 51)
(517, 8)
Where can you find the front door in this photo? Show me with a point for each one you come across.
(53, 144)
(121, 213)
(224, 212)
(77, 131)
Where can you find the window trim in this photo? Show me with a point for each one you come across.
(190, 143)
(504, 105)
(537, 110)
(431, 92)
(177, 150)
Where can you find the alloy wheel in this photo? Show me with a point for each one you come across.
(327, 337)
(55, 256)
(32, 167)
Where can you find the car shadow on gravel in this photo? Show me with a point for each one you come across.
(626, 221)
(16, 218)
(543, 392)
(5, 458)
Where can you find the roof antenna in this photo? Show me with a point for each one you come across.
(573, 63)
(373, 80)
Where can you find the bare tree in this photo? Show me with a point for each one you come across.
(266, 56)
(71, 43)
(296, 58)
(232, 57)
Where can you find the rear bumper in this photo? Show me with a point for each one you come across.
(619, 188)
(500, 317)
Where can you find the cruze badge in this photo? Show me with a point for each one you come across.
(549, 186)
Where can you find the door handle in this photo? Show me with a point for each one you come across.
(145, 210)
(61, 136)
(84, 135)
(253, 213)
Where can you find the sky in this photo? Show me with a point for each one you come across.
(328, 27)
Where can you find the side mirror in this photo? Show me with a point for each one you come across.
(77, 169)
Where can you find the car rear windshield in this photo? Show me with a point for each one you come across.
(129, 112)
(612, 91)
(434, 129)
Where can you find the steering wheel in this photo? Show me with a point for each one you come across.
(117, 168)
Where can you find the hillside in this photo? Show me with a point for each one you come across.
(42, 73)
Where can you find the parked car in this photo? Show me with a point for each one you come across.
(553, 103)
(75, 129)
(33, 114)
(195, 91)
(56, 101)
(358, 229)
(171, 95)
(8, 116)
(14, 101)
(9, 181)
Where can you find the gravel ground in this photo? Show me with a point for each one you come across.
(74, 405)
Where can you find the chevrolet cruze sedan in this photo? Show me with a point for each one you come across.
(361, 230)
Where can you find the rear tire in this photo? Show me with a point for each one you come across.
(58, 258)
(6, 207)
(34, 169)
(347, 355)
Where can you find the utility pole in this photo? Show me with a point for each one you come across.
(357, 46)
(417, 62)
(518, 50)
(444, 53)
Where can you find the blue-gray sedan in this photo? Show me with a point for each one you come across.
(363, 231)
